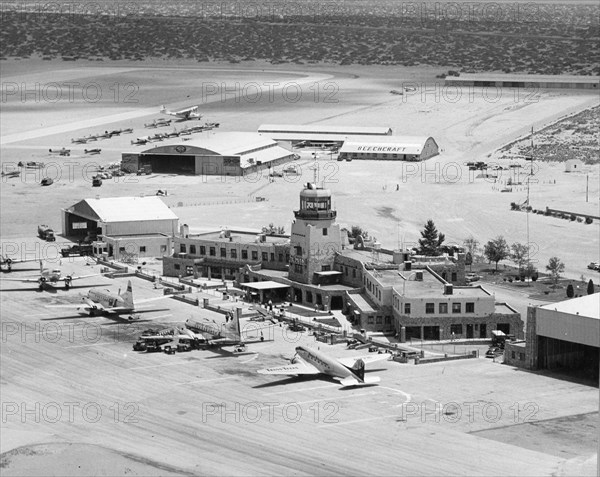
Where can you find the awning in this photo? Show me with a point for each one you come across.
(267, 285)
(328, 272)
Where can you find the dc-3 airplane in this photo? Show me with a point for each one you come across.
(103, 302)
(183, 114)
(348, 371)
(50, 278)
(227, 334)
(92, 151)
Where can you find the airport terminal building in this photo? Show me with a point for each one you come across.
(316, 266)
(220, 153)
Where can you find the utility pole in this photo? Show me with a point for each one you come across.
(529, 158)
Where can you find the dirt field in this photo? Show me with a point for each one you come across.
(196, 413)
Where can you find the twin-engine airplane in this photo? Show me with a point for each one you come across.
(103, 302)
(348, 371)
(183, 114)
(50, 278)
(226, 334)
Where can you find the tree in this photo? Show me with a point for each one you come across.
(570, 291)
(555, 267)
(471, 246)
(519, 255)
(356, 231)
(431, 240)
(496, 250)
(590, 287)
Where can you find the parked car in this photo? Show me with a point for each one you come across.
(594, 266)
(493, 352)
(471, 277)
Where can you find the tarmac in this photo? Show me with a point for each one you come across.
(72, 387)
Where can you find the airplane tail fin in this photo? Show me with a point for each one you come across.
(163, 109)
(359, 369)
(233, 327)
(128, 296)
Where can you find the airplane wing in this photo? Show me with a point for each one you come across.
(291, 369)
(351, 381)
(24, 280)
(349, 362)
(78, 277)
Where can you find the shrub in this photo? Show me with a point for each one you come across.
(510, 280)
(589, 220)
(570, 291)
(573, 217)
(580, 219)
(534, 276)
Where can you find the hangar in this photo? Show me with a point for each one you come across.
(392, 148)
(523, 81)
(288, 135)
(126, 227)
(222, 153)
(561, 336)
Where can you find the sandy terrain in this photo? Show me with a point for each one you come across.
(190, 413)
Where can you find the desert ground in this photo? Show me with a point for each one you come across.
(206, 413)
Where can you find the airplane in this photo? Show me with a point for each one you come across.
(61, 152)
(92, 151)
(348, 371)
(5, 260)
(51, 278)
(140, 141)
(151, 125)
(395, 91)
(103, 302)
(127, 131)
(174, 133)
(80, 140)
(183, 114)
(163, 122)
(226, 334)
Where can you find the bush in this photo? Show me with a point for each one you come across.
(580, 219)
(570, 291)
(510, 280)
(589, 220)
(534, 276)
(573, 217)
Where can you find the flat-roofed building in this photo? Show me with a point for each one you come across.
(421, 305)
(221, 254)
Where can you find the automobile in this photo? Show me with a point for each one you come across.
(471, 277)
(493, 352)
(81, 250)
(594, 266)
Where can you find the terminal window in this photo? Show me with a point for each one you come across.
(142, 249)
(233, 253)
(325, 231)
(202, 250)
(244, 254)
(223, 252)
(254, 255)
(265, 256)
(456, 329)
(193, 249)
(443, 308)
(407, 308)
(470, 307)
(212, 251)
(429, 308)
(456, 307)
(182, 248)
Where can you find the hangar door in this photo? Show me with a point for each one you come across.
(169, 163)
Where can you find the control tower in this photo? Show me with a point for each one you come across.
(315, 236)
